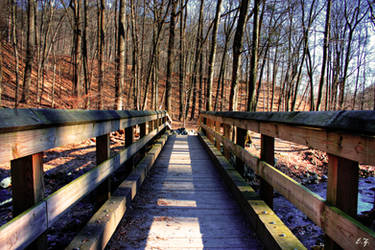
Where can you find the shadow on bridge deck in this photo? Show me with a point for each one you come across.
(184, 204)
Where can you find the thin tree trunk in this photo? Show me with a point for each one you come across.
(15, 49)
(120, 74)
(168, 83)
(85, 55)
(101, 25)
(237, 47)
(211, 61)
(198, 57)
(325, 53)
(181, 60)
(30, 47)
(251, 101)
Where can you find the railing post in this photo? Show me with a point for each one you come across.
(142, 133)
(103, 153)
(217, 129)
(228, 135)
(240, 140)
(342, 188)
(129, 139)
(28, 188)
(267, 155)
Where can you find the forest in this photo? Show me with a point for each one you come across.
(185, 56)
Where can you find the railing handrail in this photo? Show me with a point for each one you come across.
(345, 149)
(25, 119)
(24, 133)
(352, 121)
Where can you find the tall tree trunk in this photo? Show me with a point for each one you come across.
(325, 53)
(237, 47)
(101, 25)
(15, 49)
(251, 101)
(198, 50)
(168, 83)
(30, 47)
(75, 5)
(85, 55)
(181, 60)
(211, 61)
(120, 74)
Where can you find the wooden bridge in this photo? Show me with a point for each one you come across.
(192, 196)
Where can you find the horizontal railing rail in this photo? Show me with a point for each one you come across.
(25, 133)
(348, 137)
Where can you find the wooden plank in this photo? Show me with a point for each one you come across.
(28, 142)
(267, 155)
(27, 182)
(240, 141)
(25, 228)
(350, 146)
(360, 122)
(25, 119)
(103, 153)
(228, 135)
(100, 228)
(192, 220)
(28, 188)
(62, 199)
(269, 228)
(346, 230)
(342, 188)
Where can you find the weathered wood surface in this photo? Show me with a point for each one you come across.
(269, 228)
(339, 226)
(184, 204)
(18, 138)
(25, 119)
(333, 139)
(360, 122)
(100, 228)
(26, 227)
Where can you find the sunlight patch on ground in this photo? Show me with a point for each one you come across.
(176, 203)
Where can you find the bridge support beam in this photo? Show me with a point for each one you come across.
(129, 139)
(267, 154)
(28, 188)
(217, 129)
(342, 188)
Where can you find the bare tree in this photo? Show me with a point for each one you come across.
(237, 47)
(101, 25)
(30, 47)
(325, 53)
(168, 83)
(212, 56)
(120, 74)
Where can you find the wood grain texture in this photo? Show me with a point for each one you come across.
(269, 228)
(100, 228)
(184, 204)
(356, 147)
(25, 228)
(16, 144)
(346, 230)
(62, 199)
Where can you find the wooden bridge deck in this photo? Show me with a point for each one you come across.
(184, 204)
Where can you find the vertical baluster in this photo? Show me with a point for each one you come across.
(28, 188)
(240, 140)
(228, 135)
(217, 129)
(103, 152)
(267, 155)
(342, 188)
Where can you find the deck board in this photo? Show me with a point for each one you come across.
(184, 204)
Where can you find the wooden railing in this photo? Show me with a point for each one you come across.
(348, 137)
(26, 133)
